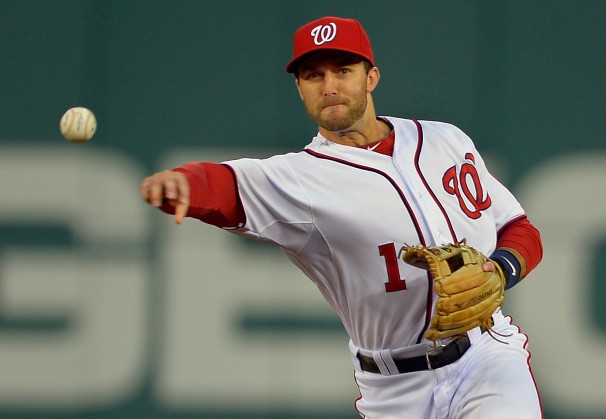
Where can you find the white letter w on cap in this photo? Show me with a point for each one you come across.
(324, 33)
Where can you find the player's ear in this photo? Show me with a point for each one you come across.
(298, 87)
(372, 79)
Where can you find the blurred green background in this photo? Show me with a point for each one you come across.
(169, 80)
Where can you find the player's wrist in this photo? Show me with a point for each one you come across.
(510, 266)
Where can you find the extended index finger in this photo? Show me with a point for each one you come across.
(180, 212)
(182, 192)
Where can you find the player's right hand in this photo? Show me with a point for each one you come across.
(167, 187)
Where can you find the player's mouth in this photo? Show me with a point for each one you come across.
(332, 107)
(329, 103)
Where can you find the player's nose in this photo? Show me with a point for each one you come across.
(329, 85)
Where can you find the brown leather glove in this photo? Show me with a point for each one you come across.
(467, 294)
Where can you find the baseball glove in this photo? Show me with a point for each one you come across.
(467, 295)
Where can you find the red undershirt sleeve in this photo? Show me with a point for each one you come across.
(214, 195)
(519, 250)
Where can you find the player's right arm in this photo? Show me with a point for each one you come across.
(167, 188)
(205, 191)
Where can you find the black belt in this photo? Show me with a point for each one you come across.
(437, 358)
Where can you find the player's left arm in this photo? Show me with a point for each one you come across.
(519, 250)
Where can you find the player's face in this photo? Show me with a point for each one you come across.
(334, 89)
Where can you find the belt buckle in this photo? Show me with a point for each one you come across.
(427, 360)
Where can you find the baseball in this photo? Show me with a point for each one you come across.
(78, 124)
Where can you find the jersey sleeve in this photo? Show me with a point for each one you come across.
(504, 205)
(276, 206)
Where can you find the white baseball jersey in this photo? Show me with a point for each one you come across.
(342, 213)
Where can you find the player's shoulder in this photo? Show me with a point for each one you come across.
(423, 123)
(445, 130)
(431, 129)
(270, 162)
(439, 126)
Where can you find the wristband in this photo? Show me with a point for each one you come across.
(510, 265)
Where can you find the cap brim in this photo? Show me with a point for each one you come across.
(292, 66)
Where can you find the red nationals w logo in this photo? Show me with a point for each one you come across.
(467, 188)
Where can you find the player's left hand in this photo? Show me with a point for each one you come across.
(489, 267)
(470, 287)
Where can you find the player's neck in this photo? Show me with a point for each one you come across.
(364, 133)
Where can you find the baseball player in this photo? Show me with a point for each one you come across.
(342, 208)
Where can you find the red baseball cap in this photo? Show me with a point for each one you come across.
(330, 33)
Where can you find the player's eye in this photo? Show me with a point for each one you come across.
(312, 75)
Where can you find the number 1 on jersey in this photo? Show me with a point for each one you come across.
(394, 283)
